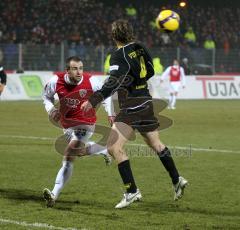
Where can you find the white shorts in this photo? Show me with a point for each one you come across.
(80, 133)
(174, 86)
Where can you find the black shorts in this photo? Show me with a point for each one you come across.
(141, 118)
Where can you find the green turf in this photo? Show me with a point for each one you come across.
(210, 202)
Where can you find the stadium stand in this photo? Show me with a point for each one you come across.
(85, 23)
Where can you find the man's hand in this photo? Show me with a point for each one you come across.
(86, 106)
(111, 120)
(55, 115)
(1, 88)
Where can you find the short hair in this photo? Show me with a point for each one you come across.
(175, 59)
(122, 31)
(72, 58)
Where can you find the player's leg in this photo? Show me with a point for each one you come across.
(77, 138)
(119, 135)
(173, 103)
(170, 100)
(92, 148)
(65, 172)
(175, 87)
(75, 147)
(171, 95)
(153, 140)
(84, 133)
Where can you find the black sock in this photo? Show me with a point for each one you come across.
(167, 161)
(127, 177)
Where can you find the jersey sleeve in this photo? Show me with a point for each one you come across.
(150, 69)
(166, 73)
(119, 69)
(48, 94)
(149, 63)
(3, 76)
(97, 83)
(118, 64)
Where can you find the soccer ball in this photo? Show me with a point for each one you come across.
(168, 21)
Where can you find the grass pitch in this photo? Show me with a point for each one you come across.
(29, 163)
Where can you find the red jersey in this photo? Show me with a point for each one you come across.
(175, 73)
(71, 98)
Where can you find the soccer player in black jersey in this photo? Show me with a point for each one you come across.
(3, 79)
(130, 68)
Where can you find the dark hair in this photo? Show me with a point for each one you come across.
(122, 31)
(72, 58)
(175, 59)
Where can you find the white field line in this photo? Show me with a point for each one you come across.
(27, 137)
(35, 225)
(194, 149)
(130, 144)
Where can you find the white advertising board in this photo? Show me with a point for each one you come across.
(29, 86)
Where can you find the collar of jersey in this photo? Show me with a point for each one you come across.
(67, 80)
(176, 67)
(125, 45)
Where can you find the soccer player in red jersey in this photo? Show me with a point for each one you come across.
(176, 76)
(73, 88)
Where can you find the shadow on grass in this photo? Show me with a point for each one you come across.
(20, 195)
(164, 207)
(63, 204)
(85, 205)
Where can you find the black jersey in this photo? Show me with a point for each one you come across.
(130, 68)
(3, 76)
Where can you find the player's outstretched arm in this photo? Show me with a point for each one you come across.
(48, 99)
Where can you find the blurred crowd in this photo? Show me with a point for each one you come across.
(85, 23)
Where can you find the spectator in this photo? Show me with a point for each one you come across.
(3, 79)
(209, 46)
(186, 67)
(131, 11)
(190, 37)
(209, 43)
(10, 54)
(107, 64)
(158, 68)
(72, 51)
(42, 18)
(38, 22)
(81, 49)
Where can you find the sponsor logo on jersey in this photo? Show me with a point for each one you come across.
(72, 102)
(82, 92)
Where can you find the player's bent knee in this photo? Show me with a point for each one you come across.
(69, 158)
(117, 153)
(112, 150)
(157, 147)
